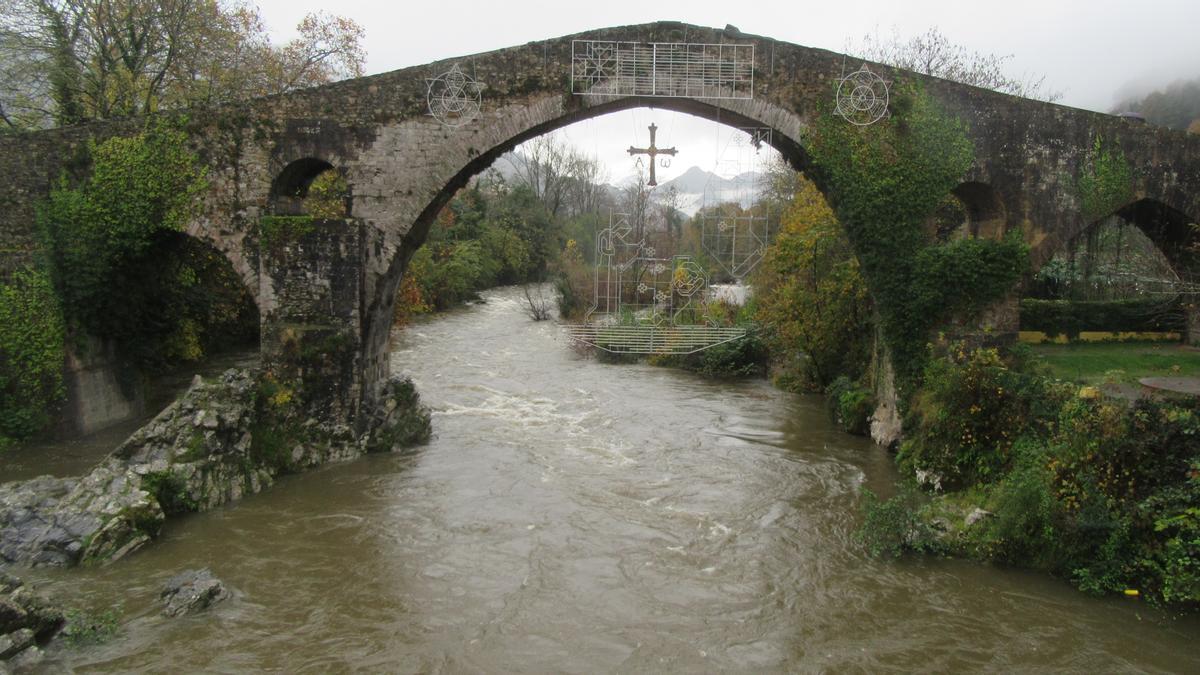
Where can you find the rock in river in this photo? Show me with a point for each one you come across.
(192, 591)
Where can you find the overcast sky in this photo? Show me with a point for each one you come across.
(1088, 50)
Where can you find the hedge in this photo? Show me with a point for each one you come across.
(1070, 317)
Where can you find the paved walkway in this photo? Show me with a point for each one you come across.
(1173, 387)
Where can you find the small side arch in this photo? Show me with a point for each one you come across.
(290, 187)
(986, 216)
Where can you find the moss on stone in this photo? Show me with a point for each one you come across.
(171, 491)
(274, 231)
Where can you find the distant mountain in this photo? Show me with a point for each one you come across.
(692, 181)
(697, 188)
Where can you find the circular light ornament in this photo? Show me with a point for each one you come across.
(862, 97)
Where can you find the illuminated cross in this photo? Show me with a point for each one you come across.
(653, 151)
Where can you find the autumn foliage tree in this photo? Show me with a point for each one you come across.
(811, 296)
(68, 61)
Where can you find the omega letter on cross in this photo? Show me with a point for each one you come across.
(653, 151)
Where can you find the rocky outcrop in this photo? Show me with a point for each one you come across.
(220, 441)
(886, 425)
(400, 420)
(61, 521)
(192, 591)
(27, 620)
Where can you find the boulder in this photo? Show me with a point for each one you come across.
(400, 420)
(15, 642)
(194, 455)
(975, 516)
(211, 446)
(26, 619)
(192, 591)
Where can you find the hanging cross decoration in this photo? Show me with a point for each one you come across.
(653, 151)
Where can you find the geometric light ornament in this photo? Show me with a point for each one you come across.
(643, 303)
(736, 226)
(454, 98)
(862, 97)
(662, 69)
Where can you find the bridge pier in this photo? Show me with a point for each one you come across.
(311, 288)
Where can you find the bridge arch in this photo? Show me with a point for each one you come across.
(504, 132)
(1173, 231)
(986, 215)
(291, 184)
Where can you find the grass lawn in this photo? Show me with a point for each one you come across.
(1091, 363)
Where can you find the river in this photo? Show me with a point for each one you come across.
(571, 516)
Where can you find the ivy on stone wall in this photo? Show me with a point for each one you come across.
(138, 186)
(276, 231)
(31, 354)
(1105, 181)
(884, 182)
(120, 264)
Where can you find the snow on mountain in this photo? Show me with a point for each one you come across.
(694, 188)
(697, 188)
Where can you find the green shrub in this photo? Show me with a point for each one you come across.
(850, 405)
(892, 527)
(973, 406)
(277, 231)
(1070, 317)
(91, 627)
(1024, 525)
(746, 357)
(327, 195)
(170, 490)
(31, 355)
(1175, 513)
(1105, 181)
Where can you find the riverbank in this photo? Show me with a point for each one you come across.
(1020, 468)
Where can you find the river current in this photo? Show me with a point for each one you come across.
(572, 516)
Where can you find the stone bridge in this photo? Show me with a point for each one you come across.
(329, 293)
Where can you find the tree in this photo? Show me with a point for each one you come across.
(635, 203)
(588, 192)
(932, 53)
(811, 297)
(671, 217)
(554, 171)
(1175, 107)
(1194, 127)
(73, 60)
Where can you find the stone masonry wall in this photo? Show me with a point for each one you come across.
(402, 165)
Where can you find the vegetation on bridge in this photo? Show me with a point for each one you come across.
(31, 354)
(885, 181)
(115, 265)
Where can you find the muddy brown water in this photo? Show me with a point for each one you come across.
(576, 517)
